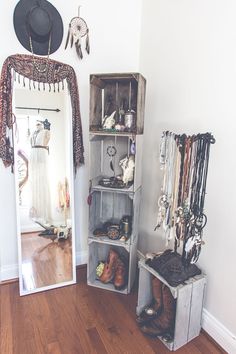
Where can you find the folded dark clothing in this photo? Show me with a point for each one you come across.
(169, 265)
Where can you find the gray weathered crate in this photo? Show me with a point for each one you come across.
(103, 89)
(99, 252)
(107, 205)
(189, 303)
(100, 160)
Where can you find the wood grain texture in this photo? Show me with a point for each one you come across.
(45, 262)
(79, 319)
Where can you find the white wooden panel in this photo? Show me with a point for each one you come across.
(144, 289)
(182, 316)
(138, 162)
(196, 308)
(132, 266)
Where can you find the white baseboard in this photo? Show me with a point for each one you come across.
(9, 272)
(218, 332)
(81, 257)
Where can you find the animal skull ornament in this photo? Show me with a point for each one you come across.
(109, 122)
(127, 164)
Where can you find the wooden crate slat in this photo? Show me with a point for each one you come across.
(183, 308)
(196, 308)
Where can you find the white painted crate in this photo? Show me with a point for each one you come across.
(99, 252)
(107, 205)
(100, 160)
(189, 302)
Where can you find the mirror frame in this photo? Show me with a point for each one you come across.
(56, 73)
(72, 210)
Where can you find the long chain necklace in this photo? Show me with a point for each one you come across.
(184, 161)
(41, 67)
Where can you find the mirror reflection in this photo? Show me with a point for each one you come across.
(44, 188)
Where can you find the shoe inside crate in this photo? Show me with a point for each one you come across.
(100, 253)
(189, 298)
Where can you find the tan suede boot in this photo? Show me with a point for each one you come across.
(164, 323)
(155, 308)
(109, 268)
(120, 275)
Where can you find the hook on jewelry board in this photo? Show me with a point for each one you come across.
(79, 10)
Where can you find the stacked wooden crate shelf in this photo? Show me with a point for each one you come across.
(110, 204)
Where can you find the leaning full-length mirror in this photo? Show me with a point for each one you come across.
(44, 188)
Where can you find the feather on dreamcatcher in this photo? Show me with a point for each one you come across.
(77, 30)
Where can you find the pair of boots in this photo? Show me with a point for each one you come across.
(158, 319)
(114, 269)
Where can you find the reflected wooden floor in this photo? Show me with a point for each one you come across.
(45, 262)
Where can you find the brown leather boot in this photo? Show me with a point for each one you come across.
(109, 268)
(120, 275)
(155, 308)
(163, 324)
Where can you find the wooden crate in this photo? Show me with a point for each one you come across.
(107, 205)
(99, 252)
(115, 88)
(100, 160)
(189, 302)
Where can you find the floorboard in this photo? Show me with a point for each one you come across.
(45, 262)
(79, 319)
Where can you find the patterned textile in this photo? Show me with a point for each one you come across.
(40, 70)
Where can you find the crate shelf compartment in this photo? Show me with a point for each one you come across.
(111, 92)
(189, 303)
(99, 252)
(103, 165)
(110, 206)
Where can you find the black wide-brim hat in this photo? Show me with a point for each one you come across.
(40, 21)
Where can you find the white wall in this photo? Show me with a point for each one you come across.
(188, 55)
(114, 38)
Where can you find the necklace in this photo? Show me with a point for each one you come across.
(40, 67)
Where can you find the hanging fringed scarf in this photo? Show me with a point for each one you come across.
(54, 73)
(77, 30)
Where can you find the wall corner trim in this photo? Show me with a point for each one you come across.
(9, 272)
(225, 338)
(81, 257)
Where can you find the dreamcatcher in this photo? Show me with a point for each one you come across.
(77, 30)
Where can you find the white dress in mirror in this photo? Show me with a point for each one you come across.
(40, 208)
(44, 190)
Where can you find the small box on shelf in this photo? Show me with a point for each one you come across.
(117, 102)
(189, 303)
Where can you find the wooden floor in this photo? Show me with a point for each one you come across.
(45, 262)
(78, 319)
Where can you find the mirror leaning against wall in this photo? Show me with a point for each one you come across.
(44, 189)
